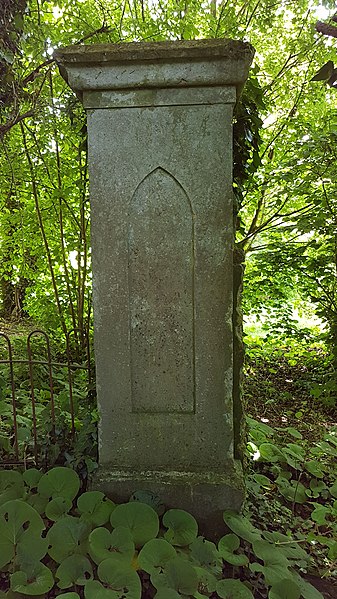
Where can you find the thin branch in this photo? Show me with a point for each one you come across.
(17, 119)
(42, 230)
(103, 29)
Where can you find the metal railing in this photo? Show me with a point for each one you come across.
(31, 362)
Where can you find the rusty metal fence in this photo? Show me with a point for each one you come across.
(13, 454)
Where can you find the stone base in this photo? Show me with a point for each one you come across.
(204, 494)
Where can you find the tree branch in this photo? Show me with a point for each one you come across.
(326, 29)
(17, 119)
(103, 29)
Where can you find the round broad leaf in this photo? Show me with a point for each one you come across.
(294, 432)
(120, 577)
(38, 503)
(293, 490)
(291, 549)
(151, 499)
(262, 480)
(270, 554)
(241, 526)
(315, 468)
(95, 590)
(75, 569)
(167, 594)
(32, 477)
(227, 545)
(182, 527)
(230, 589)
(155, 554)
(31, 548)
(205, 554)
(206, 581)
(285, 589)
(11, 485)
(179, 575)
(271, 453)
(57, 508)
(17, 518)
(103, 543)
(319, 514)
(36, 580)
(69, 596)
(59, 482)
(273, 573)
(308, 591)
(140, 518)
(66, 536)
(94, 507)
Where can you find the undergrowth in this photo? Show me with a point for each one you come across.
(56, 539)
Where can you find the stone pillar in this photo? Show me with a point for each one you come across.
(160, 156)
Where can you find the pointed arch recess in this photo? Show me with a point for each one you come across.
(161, 257)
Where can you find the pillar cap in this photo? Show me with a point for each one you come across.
(206, 62)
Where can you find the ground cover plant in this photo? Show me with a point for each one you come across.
(291, 472)
(58, 539)
(56, 542)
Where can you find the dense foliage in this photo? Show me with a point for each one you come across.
(283, 171)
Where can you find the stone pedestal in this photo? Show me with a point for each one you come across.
(160, 156)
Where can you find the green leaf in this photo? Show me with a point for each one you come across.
(233, 589)
(36, 580)
(241, 526)
(333, 489)
(38, 503)
(272, 573)
(308, 591)
(294, 432)
(270, 554)
(319, 514)
(293, 490)
(155, 554)
(289, 547)
(31, 548)
(102, 543)
(314, 468)
(167, 594)
(32, 477)
(57, 508)
(75, 569)
(140, 518)
(94, 507)
(270, 453)
(11, 486)
(182, 527)
(120, 577)
(262, 480)
(59, 482)
(66, 536)
(179, 575)
(95, 590)
(69, 596)
(285, 589)
(18, 520)
(227, 545)
(205, 554)
(206, 581)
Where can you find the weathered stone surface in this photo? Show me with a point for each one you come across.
(160, 155)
